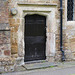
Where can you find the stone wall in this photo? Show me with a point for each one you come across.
(4, 11)
(67, 44)
(11, 27)
(5, 48)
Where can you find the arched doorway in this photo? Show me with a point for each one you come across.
(35, 37)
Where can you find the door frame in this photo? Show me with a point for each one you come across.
(45, 10)
(48, 35)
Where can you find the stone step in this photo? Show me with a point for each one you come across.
(38, 61)
(39, 65)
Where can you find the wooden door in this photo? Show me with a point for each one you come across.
(35, 37)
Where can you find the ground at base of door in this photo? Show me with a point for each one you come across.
(45, 65)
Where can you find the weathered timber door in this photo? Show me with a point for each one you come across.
(35, 37)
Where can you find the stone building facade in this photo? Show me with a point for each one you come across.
(12, 24)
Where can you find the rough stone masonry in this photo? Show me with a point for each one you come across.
(12, 31)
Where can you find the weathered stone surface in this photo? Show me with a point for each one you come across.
(4, 40)
(68, 54)
(14, 55)
(7, 61)
(17, 24)
(14, 23)
(20, 68)
(5, 47)
(4, 26)
(7, 52)
(9, 68)
(7, 64)
(4, 13)
(1, 69)
(5, 43)
(4, 37)
(1, 40)
(37, 1)
(0, 52)
(14, 49)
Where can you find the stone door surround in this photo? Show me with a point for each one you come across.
(47, 10)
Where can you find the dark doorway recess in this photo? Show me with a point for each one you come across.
(35, 37)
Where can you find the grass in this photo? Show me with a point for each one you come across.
(51, 66)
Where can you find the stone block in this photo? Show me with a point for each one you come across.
(38, 1)
(12, 21)
(57, 46)
(1, 69)
(72, 46)
(4, 26)
(1, 59)
(58, 58)
(4, 63)
(4, 34)
(72, 39)
(14, 55)
(0, 52)
(14, 49)
(50, 59)
(74, 53)
(9, 68)
(18, 20)
(7, 64)
(7, 61)
(14, 28)
(7, 34)
(68, 54)
(6, 40)
(1, 40)
(5, 47)
(69, 27)
(7, 52)
(0, 63)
